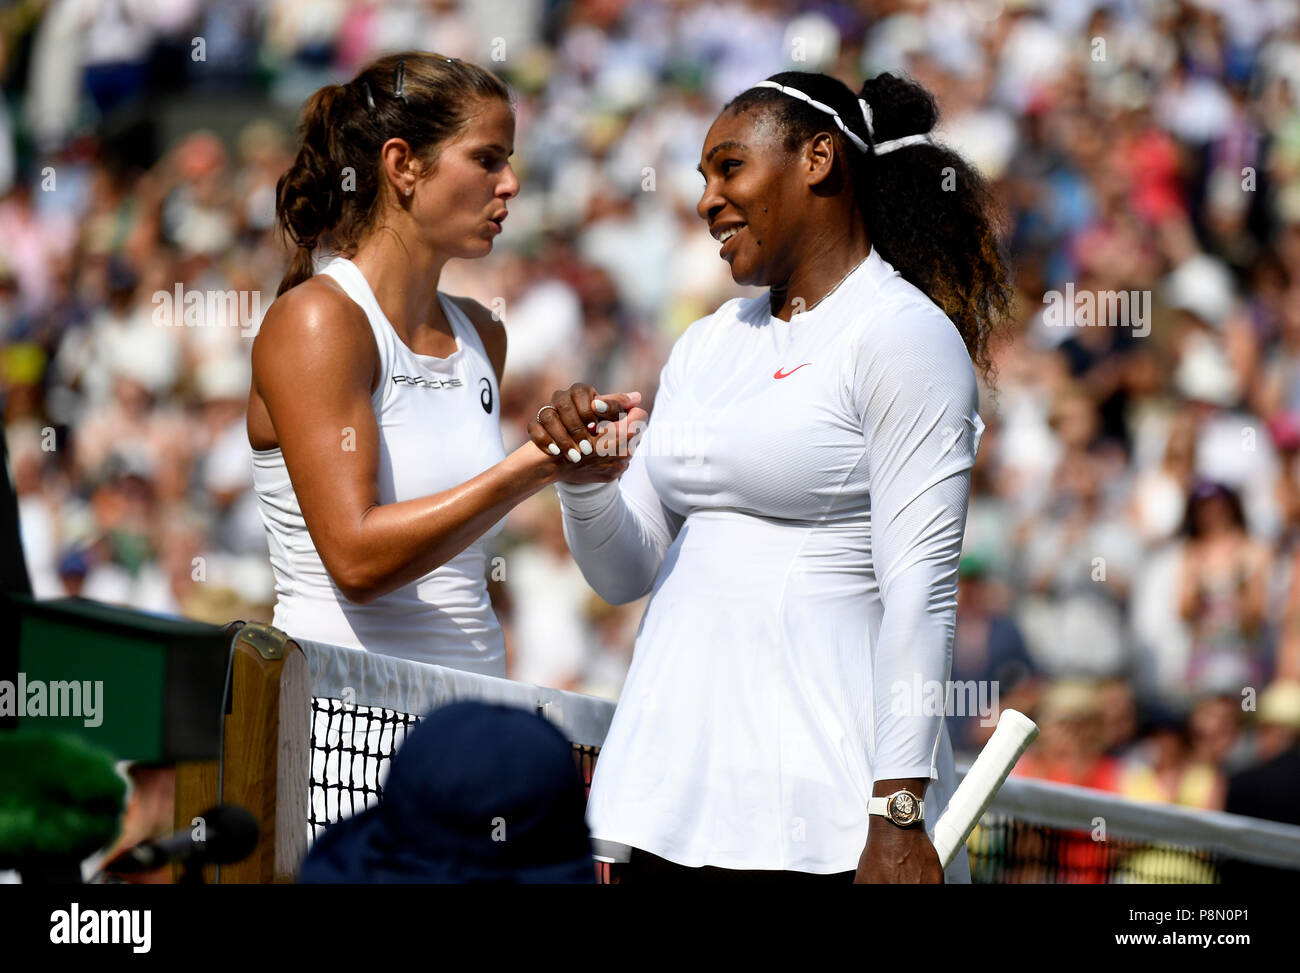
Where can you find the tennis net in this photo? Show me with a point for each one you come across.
(1043, 832)
(363, 705)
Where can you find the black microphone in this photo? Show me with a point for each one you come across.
(230, 834)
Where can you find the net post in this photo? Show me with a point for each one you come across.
(265, 756)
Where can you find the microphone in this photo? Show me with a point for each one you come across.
(230, 833)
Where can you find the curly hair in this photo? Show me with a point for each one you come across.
(331, 191)
(930, 213)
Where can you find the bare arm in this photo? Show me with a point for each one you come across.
(1256, 562)
(313, 366)
(1189, 595)
(1288, 656)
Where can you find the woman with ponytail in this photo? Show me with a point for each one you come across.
(375, 403)
(783, 715)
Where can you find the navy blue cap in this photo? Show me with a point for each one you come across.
(476, 793)
(74, 563)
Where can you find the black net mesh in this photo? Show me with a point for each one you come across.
(350, 750)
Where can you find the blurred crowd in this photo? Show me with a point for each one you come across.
(1132, 566)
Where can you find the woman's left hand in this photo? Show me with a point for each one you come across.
(898, 856)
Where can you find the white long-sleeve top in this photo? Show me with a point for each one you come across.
(795, 509)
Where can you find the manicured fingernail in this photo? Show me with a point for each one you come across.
(635, 397)
(599, 406)
(554, 449)
(585, 446)
(574, 456)
(591, 425)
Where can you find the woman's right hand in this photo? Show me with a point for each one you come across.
(587, 434)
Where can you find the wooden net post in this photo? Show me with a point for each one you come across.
(267, 731)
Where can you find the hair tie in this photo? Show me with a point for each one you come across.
(901, 143)
(889, 145)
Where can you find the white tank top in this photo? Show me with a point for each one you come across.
(439, 425)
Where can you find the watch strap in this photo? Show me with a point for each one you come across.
(880, 805)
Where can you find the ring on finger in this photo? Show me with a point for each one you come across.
(543, 409)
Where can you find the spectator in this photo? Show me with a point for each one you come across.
(1069, 748)
(989, 651)
(1160, 768)
(1270, 790)
(1078, 562)
(1223, 588)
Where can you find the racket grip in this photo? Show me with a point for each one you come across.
(1014, 733)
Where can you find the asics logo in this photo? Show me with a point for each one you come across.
(427, 383)
(780, 374)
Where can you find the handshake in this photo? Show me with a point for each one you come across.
(589, 436)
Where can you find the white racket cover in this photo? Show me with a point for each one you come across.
(1014, 733)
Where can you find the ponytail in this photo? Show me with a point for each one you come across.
(933, 216)
(331, 193)
(306, 201)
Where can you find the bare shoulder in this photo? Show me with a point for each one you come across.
(315, 324)
(316, 308)
(491, 330)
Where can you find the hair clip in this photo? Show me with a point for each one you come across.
(370, 99)
(399, 79)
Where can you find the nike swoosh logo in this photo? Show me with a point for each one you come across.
(779, 374)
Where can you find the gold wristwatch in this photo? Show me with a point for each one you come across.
(903, 808)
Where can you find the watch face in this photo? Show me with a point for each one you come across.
(903, 808)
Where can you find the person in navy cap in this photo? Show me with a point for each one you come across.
(477, 793)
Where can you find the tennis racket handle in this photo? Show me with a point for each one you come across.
(1014, 733)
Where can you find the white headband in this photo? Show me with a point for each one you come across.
(880, 147)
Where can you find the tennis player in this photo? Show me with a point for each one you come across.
(375, 406)
(796, 506)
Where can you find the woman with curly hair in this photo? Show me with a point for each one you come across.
(795, 509)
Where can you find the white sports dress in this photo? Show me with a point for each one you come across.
(795, 510)
(439, 425)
